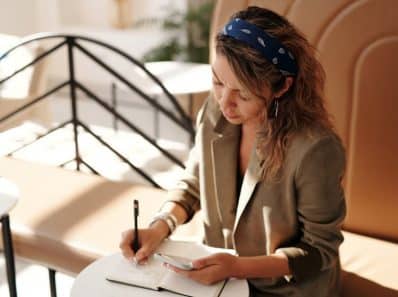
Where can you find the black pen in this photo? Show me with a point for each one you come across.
(135, 244)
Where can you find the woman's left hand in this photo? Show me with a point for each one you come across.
(211, 269)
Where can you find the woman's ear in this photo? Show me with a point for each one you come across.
(288, 83)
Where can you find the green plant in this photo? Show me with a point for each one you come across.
(190, 38)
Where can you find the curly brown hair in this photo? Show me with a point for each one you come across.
(301, 108)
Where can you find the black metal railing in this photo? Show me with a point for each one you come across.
(72, 42)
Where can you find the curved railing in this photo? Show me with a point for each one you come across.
(72, 43)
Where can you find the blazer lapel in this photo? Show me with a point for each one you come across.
(225, 148)
(250, 180)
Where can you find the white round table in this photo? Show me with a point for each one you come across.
(179, 78)
(9, 194)
(91, 282)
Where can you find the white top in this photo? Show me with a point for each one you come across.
(92, 280)
(9, 194)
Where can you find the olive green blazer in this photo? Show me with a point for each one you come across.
(300, 215)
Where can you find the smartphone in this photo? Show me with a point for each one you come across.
(179, 262)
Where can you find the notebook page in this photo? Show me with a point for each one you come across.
(127, 272)
(154, 276)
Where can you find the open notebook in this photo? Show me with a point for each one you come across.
(156, 277)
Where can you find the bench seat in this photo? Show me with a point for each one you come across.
(66, 219)
(370, 266)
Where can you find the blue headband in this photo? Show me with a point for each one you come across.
(268, 46)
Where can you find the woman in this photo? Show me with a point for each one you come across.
(266, 167)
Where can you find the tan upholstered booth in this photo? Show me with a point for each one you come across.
(357, 43)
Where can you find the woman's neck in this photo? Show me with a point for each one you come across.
(249, 131)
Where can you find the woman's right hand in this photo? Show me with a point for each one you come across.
(149, 240)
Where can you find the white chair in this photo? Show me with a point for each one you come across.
(24, 87)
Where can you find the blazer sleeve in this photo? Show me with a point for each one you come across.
(321, 209)
(186, 193)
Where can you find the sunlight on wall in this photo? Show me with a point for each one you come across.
(21, 17)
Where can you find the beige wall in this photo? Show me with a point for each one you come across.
(17, 17)
(24, 17)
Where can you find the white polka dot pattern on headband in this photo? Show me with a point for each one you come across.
(275, 60)
(281, 51)
(290, 55)
(261, 41)
(247, 31)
